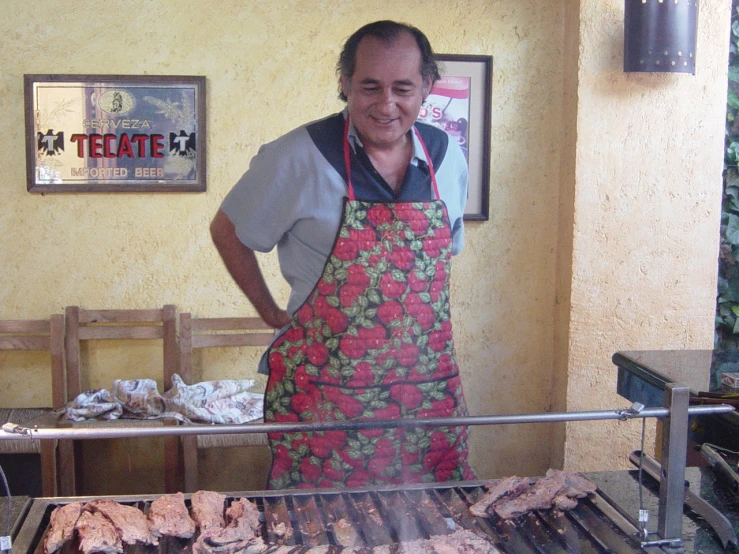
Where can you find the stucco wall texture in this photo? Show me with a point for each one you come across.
(604, 197)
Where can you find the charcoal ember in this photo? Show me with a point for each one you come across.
(244, 513)
(508, 487)
(346, 534)
(130, 523)
(281, 531)
(97, 534)
(207, 509)
(168, 516)
(61, 526)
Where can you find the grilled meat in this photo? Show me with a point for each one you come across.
(61, 526)
(97, 534)
(168, 516)
(558, 488)
(244, 513)
(459, 542)
(577, 485)
(513, 496)
(510, 486)
(130, 523)
(207, 509)
(240, 535)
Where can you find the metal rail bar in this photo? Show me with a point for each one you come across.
(12, 431)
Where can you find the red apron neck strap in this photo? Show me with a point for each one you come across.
(347, 163)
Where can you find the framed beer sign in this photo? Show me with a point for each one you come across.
(113, 133)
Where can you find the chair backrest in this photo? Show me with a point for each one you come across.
(209, 332)
(84, 325)
(41, 335)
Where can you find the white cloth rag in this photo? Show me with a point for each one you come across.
(221, 401)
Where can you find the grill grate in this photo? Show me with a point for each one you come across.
(375, 517)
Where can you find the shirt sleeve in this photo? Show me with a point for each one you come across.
(262, 205)
(453, 179)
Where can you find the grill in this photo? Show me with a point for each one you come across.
(375, 517)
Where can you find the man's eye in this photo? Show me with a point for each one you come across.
(403, 91)
(370, 90)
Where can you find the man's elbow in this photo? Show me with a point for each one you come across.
(222, 231)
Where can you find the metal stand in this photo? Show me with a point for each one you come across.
(674, 452)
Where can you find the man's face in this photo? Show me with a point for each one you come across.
(386, 91)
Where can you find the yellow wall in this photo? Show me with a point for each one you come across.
(572, 265)
(646, 210)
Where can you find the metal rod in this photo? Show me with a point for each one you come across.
(674, 451)
(17, 432)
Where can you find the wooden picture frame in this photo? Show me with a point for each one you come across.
(460, 103)
(115, 133)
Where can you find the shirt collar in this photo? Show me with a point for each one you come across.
(355, 141)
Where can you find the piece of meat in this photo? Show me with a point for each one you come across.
(558, 489)
(130, 523)
(564, 502)
(226, 540)
(207, 509)
(578, 486)
(97, 534)
(61, 526)
(538, 497)
(508, 487)
(241, 534)
(168, 516)
(244, 513)
(459, 542)
(282, 549)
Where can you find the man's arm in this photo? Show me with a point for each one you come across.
(243, 266)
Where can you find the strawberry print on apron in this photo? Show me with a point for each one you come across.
(372, 341)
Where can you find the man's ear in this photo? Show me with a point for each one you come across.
(427, 86)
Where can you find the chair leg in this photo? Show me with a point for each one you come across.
(190, 458)
(49, 476)
(67, 469)
(172, 465)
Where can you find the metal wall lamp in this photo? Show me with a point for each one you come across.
(660, 35)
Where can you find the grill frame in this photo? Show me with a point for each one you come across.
(594, 526)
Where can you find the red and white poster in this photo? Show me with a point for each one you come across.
(448, 108)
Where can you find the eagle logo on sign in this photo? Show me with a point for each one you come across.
(182, 144)
(50, 144)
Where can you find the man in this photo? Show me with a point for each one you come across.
(366, 209)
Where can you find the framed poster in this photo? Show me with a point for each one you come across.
(115, 133)
(460, 104)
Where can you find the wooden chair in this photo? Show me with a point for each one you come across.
(39, 335)
(198, 333)
(86, 325)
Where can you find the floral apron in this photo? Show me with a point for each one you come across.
(372, 341)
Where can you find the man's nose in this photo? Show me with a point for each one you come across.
(388, 99)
